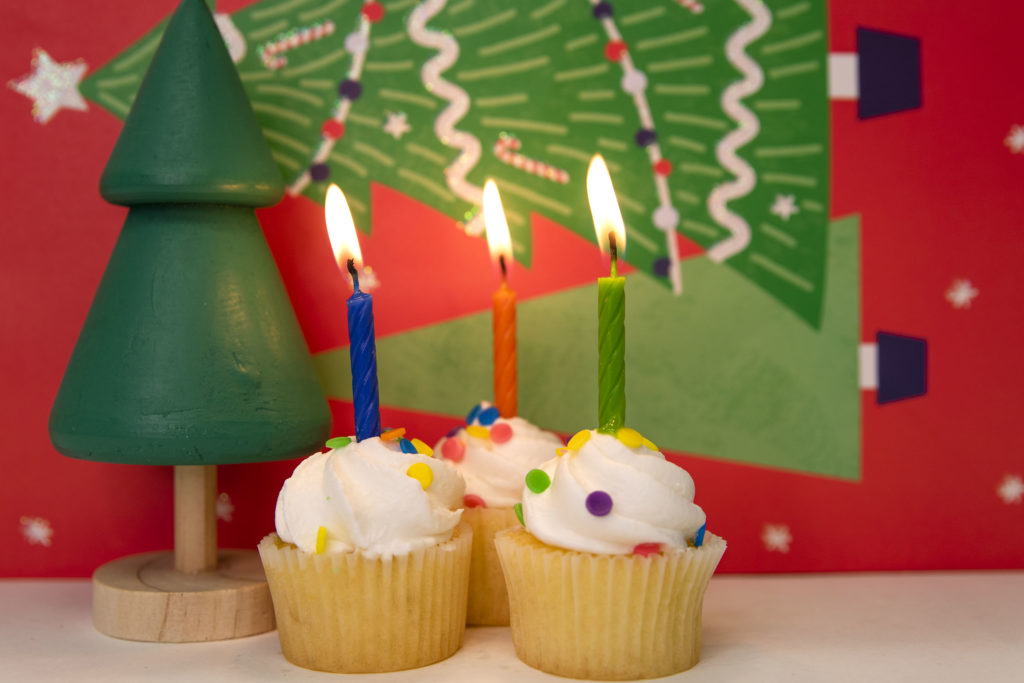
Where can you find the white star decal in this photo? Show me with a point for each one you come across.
(776, 537)
(51, 86)
(1011, 489)
(37, 531)
(961, 293)
(1015, 139)
(225, 508)
(784, 206)
(397, 125)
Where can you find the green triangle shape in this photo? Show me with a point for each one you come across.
(191, 135)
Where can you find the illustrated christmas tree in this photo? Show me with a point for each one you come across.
(190, 355)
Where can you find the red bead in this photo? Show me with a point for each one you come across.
(471, 500)
(501, 432)
(332, 130)
(453, 449)
(646, 549)
(663, 167)
(373, 11)
(614, 49)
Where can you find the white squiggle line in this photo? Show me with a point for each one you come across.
(444, 124)
(749, 126)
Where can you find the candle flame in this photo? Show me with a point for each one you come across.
(341, 230)
(603, 205)
(498, 239)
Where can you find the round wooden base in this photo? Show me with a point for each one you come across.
(143, 597)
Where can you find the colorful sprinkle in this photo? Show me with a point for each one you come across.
(698, 540)
(471, 500)
(422, 473)
(321, 540)
(453, 449)
(646, 549)
(488, 416)
(649, 444)
(338, 442)
(501, 432)
(630, 438)
(407, 446)
(578, 439)
(452, 432)
(473, 413)
(392, 434)
(478, 431)
(599, 503)
(422, 448)
(518, 507)
(538, 481)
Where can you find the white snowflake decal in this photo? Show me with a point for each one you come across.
(1011, 489)
(37, 531)
(397, 125)
(51, 86)
(1015, 139)
(225, 508)
(961, 293)
(784, 206)
(776, 537)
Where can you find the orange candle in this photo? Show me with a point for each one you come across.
(506, 383)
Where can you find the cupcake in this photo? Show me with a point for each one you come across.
(369, 566)
(493, 454)
(606, 576)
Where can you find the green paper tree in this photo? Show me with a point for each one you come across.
(191, 353)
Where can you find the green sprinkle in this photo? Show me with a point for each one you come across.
(518, 507)
(338, 442)
(538, 481)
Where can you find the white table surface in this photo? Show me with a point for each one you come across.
(948, 626)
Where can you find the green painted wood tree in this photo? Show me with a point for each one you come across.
(191, 353)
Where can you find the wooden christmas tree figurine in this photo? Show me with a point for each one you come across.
(190, 355)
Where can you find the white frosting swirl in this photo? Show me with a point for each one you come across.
(495, 471)
(364, 499)
(652, 500)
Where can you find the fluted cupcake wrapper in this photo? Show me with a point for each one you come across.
(345, 612)
(606, 617)
(488, 597)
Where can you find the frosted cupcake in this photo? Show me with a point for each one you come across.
(369, 566)
(493, 454)
(607, 579)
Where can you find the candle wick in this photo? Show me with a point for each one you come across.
(354, 274)
(615, 254)
(504, 268)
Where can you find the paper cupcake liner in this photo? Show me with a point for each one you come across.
(606, 617)
(345, 612)
(488, 597)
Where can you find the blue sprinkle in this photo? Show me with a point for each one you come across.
(698, 540)
(407, 446)
(452, 432)
(472, 414)
(488, 416)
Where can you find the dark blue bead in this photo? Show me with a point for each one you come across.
(488, 416)
(645, 137)
(319, 171)
(603, 9)
(661, 267)
(350, 89)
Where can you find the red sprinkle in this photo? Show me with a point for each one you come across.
(471, 500)
(646, 549)
(453, 449)
(373, 11)
(501, 432)
(614, 49)
(663, 167)
(332, 130)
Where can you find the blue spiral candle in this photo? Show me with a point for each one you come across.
(363, 358)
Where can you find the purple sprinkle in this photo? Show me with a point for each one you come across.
(645, 137)
(599, 503)
(319, 171)
(350, 89)
(452, 432)
(488, 416)
(603, 9)
(472, 414)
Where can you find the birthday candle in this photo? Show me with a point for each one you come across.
(503, 319)
(611, 301)
(362, 344)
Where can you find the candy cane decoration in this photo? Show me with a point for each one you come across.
(272, 54)
(505, 148)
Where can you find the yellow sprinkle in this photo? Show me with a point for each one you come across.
(561, 451)
(422, 473)
(393, 434)
(478, 431)
(650, 444)
(422, 448)
(630, 437)
(578, 439)
(321, 539)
